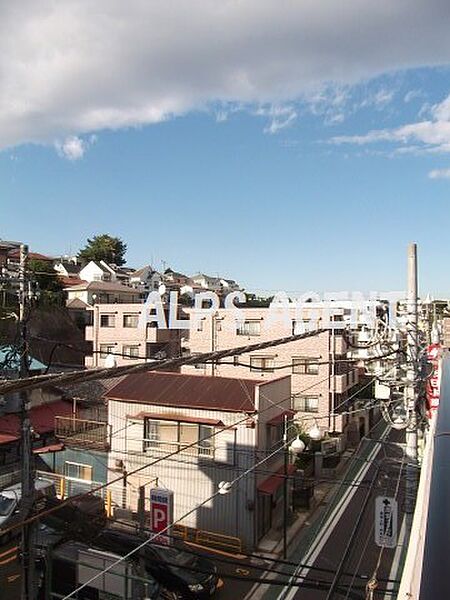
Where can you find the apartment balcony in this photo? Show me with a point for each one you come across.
(340, 345)
(160, 336)
(82, 433)
(345, 381)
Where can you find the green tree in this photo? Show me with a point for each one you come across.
(50, 287)
(104, 247)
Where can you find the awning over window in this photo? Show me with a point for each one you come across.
(272, 483)
(51, 448)
(280, 417)
(177, 417)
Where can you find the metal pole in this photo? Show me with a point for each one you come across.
(285, 483)
(27, 481)
(142, 588)
(411, 376)
(213, 342)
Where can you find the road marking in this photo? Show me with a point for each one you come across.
(396, 560)
(327, 529)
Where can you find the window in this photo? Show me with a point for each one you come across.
(130, 352)
(107, 320)
(151, 433)
(199, 326)
(262, 364)
(274, 434)
(306, 403)
(302, 365)
(192, 438)
(304, 325)
(131, 320)
(78, 471)
(106, 349)
(205, 441)
(249, 328)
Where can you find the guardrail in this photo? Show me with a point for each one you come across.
(435, 580)
(425, 575)
(218, 541)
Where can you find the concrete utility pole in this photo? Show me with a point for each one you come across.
(411, 376)
(27, 481)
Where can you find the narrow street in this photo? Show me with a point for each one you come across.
(340, 535)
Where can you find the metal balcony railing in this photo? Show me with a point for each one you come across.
(82, 432)
(157, 447)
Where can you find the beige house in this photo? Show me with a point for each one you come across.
(121, 329)
(219, 428)
(321, 377)
(101, 292)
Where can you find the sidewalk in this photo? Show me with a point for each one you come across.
(271, 544)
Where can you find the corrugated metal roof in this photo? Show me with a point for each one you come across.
(187, 391)
(42, 418)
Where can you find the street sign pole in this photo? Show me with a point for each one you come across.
(386, 511)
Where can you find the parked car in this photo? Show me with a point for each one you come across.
(10, 498)
(80, 518)
(187, 575)
(74, 564)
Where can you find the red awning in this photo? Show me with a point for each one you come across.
(42, 419)
(6, 438)
(50, 448)
(272, 483)
(280, 417)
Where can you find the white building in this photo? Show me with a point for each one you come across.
(221, 427)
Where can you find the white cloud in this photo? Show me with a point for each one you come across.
(73, 147)
(439, 174)
(413, 95)
(432, 135)
(72, 68)
(280, 117)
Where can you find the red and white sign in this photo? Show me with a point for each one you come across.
(161, 513)
(434, 379)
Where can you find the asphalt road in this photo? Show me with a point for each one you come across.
(340, 539)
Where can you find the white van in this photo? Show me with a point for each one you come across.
(10, 497)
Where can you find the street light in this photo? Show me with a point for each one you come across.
(297, 446)
(314, 433)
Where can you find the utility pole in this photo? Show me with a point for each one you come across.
(213, 341)
(411, 377)
(285, 485)
(27, 481)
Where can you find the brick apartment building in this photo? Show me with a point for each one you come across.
(118, 329)
(322, 379)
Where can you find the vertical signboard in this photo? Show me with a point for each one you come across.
(386, 522)
(161, 514)
(433, 380)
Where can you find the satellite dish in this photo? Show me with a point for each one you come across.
(162, 289)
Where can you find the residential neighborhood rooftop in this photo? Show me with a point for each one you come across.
(187, 391)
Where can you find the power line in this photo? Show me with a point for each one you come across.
(103, 373)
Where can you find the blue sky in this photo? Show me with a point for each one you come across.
(315, 190)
